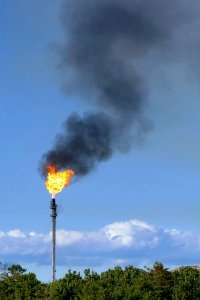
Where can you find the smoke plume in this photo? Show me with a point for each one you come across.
(103, 41)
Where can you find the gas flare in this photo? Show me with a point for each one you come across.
(56, 181)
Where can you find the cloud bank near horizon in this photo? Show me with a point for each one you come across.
(132, 242)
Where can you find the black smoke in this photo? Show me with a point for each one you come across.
(103, 41)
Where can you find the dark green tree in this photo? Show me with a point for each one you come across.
(186, 284)
(15, 284)
(68, 288)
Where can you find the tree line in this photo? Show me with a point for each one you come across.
(127, 283)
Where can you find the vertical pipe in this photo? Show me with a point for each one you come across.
(53, 215)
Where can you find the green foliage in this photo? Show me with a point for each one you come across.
(186, 284)
(129, 283)
(161, 283)
(15, 284)
(67, 288)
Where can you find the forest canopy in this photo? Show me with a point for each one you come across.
(119, 283)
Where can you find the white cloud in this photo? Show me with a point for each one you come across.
(2, 234)
(128, 242)
(16, 233)
(32, 233)
(65, 238)
(129, 233)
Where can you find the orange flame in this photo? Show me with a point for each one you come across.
(56, 181)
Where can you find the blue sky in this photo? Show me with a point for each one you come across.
(148, 198)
